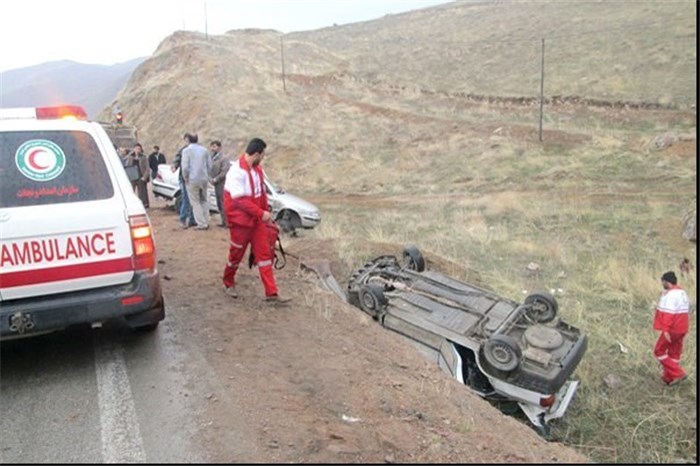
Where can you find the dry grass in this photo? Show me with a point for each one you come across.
(602, 232)
(394, 150)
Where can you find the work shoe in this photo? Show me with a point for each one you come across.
(678, 380)
(277, 299)
(231, 291)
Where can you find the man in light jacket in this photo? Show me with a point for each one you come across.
(195, 172)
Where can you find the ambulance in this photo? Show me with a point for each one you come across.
(76, 243)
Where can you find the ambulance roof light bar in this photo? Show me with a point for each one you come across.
(73, 112)
(64, 111)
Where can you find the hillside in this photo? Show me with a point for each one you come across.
(60, 82)
(423, 127)
(611, 51)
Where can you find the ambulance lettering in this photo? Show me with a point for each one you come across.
(56, 250)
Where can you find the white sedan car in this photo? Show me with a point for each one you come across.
(508, 352)
(296, 211)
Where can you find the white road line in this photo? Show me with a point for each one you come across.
(121, 437)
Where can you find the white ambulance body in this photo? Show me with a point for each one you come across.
(76, 244)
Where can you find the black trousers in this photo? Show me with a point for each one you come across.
(219, 190)
(142, 191)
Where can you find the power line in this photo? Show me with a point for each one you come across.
(550, 37)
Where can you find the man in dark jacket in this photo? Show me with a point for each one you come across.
(217, 176)
(141, 184)
(155, 158)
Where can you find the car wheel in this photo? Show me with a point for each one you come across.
(502, 352)
(290, 218)
(542, 306)
(372, 299)
(178, 203)
(413, 259)
(353, 283)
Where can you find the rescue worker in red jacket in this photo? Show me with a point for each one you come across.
(247, 214)
(671, 319)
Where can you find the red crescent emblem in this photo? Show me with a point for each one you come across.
(33, 163)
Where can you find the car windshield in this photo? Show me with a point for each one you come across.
(272, 186)
(49, 167)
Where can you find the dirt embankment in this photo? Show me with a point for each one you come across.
(319, 381)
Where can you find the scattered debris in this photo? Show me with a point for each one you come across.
(623, 348)
(612, 381)
(533, 269)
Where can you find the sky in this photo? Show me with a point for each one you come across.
(107, 32)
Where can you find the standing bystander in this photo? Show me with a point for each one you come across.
(141, 184)
(195, 172)
(123, 153)
(185, 210)
(155, 158)
(217, 176)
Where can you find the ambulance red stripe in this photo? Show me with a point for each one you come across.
(67, 272)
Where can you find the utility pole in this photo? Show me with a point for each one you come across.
(542, 90)
(206, 31)
(284, 82)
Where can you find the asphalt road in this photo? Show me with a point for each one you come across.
(100, 395)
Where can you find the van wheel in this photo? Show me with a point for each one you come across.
(543, 307)
(502, 352)
(413, 259)
(372, 299)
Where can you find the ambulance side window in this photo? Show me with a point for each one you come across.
(51, 167)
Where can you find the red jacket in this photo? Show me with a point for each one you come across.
(672, 311)
(245, 210)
